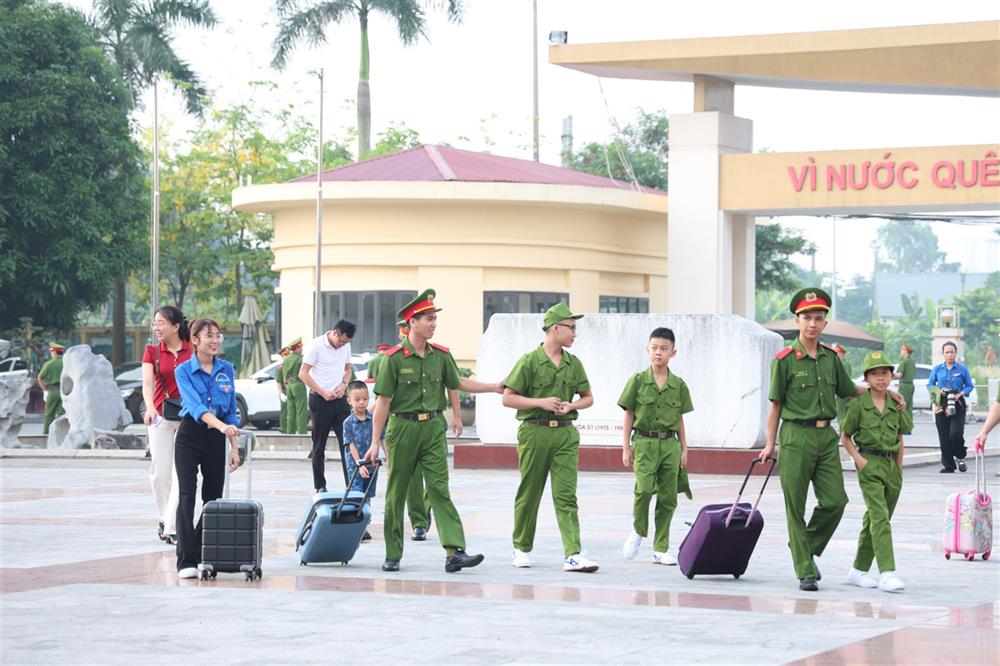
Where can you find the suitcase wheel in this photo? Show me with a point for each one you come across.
(203, 574)
(344, 562)
(947, 554)
(736, 576)
(214, 574)
(970, 556)
(986, 555)
(302, 563)
(690, 576)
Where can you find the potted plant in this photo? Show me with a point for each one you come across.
(467, 401)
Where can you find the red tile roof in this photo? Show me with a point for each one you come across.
(440, 163)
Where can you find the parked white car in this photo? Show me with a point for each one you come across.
(257, 397)
(921, 398)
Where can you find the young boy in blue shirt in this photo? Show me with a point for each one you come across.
(357, 439)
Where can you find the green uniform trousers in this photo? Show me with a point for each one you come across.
(906, 390)
(542, 451)
(881, 482)
(53, 409)
(656, 463)
(417, 501)
(283, 417)
(297, 414)
(413, 446)
(811, 454)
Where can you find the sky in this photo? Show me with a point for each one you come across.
(471, 85)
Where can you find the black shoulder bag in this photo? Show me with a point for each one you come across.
(171, 406)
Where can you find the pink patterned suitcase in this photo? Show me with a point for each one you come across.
(968, 517)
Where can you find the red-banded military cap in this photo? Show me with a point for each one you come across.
(908, 348)
(810, 298)
(382, 347)
(56, 347)
(295, 344)
(424, 302)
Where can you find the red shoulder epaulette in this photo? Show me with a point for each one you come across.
(826, 346)
(783, 353)
(392, 350)
(440, 347)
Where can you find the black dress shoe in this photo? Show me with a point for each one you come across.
(962, 467)
(321, 490)
(367, 536)
(159, 532)
(808, 585)
(419, 534)
(390, 565)
(945, 470)
(461, 560)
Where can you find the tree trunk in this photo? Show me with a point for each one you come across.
(118, 325)
(364, 96)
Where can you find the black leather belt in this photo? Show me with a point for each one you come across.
(656, 434)
(864, 450)
(292, 380)
(415, 416)
(812, 423)
(554, 423)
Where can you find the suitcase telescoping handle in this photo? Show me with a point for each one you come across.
(739, 495)
(371, 479)
(979, 447)
(251, 441)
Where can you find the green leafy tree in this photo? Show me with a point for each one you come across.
(639, 150)
(298, 21)
(905, 246)
(854, 303)
(979, 314)
(776, 246)
(71, 204)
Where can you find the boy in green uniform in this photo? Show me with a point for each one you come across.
(49, 378)
(412, 389)
(279, 379)
(297, 407)
(906, 370)
(806, 379)
(872, 433)
(655, 401)
(541, 388)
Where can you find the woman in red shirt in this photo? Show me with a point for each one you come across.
(158, 384)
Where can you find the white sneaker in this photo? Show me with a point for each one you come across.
(188, 572)
(889, 582)
(631, 547)
(861, 579)
(667, 558)
(580, 564)
(521, 559)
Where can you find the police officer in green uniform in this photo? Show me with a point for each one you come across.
(906, 370)
(49, 378)
(806, 379)
(872, 432)
(298, 409)
(541, 388)
(279, 378)
(842, 402)
(412, 387)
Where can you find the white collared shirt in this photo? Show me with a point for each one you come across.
(327, 363)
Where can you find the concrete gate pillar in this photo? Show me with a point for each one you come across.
(710, 253)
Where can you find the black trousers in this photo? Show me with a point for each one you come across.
(326, 415)
(196, 446)
(951, 435)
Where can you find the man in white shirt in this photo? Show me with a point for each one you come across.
(326, 370)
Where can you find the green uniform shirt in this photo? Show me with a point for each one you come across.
(417, 384)
(807, 387)
(279, 375)
(847, 367)
(874, 429)
(374, 364)
(534, 376)
(290, 368)
(51, 373)
(656, 409)
(907, 370)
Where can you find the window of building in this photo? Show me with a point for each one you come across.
(523, 302)
(373, 312)
(623, 305)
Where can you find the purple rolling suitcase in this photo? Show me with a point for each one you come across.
(723, 536)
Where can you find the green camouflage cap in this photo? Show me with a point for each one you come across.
(557, 313)
(876, 359)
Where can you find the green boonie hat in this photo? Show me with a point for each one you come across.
(810, 298)
(876, 359)
(424, 302)
(557, 313)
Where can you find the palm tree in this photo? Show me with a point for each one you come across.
(296, 23)
(137, 36)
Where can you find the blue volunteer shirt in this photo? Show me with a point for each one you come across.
(956, 379)
(359, 433)
(202, 392)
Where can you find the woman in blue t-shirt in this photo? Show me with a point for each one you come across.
(208, 418)
(955, 382)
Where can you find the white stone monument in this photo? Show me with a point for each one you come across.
(724, 359)
(91, 398)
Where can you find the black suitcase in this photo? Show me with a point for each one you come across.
(232, 539)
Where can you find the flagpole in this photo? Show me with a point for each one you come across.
(155, 250)
(318, 305)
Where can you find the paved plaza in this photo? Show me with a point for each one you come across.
(84, 580)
